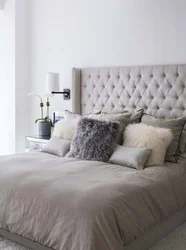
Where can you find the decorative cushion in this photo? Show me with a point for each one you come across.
(122, 119)
(146, 136)
(65, 129)
(57, 146)
(130, 157)
(94, 140)
(135, 115)
(176, 126)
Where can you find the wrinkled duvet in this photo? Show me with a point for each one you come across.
(70, 204)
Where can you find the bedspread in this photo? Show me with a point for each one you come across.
(70, 204)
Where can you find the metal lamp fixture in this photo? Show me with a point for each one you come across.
(52, 84)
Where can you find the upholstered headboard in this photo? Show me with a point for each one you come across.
(159, 90)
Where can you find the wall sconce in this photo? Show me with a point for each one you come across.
(52, 82)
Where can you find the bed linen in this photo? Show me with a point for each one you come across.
(70, 204)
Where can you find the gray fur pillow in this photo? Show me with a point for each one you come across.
(94, 140)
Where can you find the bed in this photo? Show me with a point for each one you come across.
(47, 202)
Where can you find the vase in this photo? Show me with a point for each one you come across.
(44, 128)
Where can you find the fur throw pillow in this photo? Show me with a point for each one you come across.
(94, 140)
(146, 136)
(66, 128)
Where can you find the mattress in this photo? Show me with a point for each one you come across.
(70, 204)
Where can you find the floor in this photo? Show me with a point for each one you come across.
(176, 240)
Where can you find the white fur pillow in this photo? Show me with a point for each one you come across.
(146, 136)
(66, 128)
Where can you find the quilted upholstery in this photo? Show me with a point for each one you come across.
(159, 90)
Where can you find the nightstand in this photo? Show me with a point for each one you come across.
(35, 143)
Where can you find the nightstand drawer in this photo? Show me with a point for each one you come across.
(36, 146)
(35, 143)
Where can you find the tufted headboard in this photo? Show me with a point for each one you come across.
(159, 90)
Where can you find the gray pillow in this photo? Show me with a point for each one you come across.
(57, 146)
(94, 140)
(130, 157)
(176, 125)
(121, 118)
(134, 115)
(182, 145)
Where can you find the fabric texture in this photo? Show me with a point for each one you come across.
(94, 140)
(158, 89)
(66, 128)
(135, 115)
(122, 118)
(57, 146)
(84, 199)
(130, 157)
(176, 126)
(146, 136)
(182, 144)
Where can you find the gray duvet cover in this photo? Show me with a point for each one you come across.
(70, 204)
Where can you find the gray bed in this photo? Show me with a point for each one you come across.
(65, 204)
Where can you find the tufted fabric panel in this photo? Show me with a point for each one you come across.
(159, 90)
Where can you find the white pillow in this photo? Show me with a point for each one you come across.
(146, 136)
(66, 128)
(57, 146)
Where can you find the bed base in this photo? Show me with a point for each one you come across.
(143, 242)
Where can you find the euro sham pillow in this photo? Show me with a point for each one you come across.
(130, 157)
(57, 146)
(94, 140)
(134, 115)
(175, 125)
(146, 136)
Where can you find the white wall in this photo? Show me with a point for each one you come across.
(21, 72)
(68, 33)
(14, 106)
(7, 83)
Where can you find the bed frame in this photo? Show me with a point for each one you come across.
(159, 90)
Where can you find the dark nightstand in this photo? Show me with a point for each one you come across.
(35, 143)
